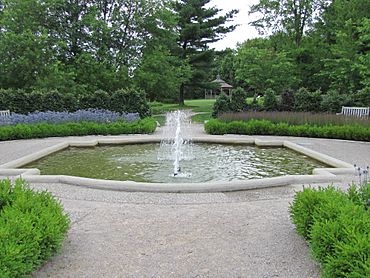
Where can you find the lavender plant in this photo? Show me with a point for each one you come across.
(90, 115)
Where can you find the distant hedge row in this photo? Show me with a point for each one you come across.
(264, 127)
(41, 130)
(32, 228)
(337, 226)
(124, 101)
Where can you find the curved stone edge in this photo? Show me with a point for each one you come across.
(320, 175)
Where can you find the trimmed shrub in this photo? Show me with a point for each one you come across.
(264, 127)
(98, 99)
(362, 97)
(41, 130)
(337, 228)
(130, 101)
(222, 105)
(306, 101)
(32, 228)
(270, 102)
(238, 100)
(332, 101)
(123, 101)
(287, 101)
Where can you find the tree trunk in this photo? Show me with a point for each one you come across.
(181, 96)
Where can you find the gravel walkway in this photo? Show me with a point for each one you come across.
(237, 234)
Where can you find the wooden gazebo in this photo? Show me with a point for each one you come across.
(223, 87)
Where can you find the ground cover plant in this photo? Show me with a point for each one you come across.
(89, 115)
(32, 228)
(41, 130)
(265, 127)
(336, 226)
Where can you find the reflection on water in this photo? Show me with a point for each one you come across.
(212, 162)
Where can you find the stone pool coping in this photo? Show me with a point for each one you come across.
(320, 175)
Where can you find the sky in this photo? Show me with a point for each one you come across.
(242, 32)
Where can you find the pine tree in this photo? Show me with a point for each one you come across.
(198, 27)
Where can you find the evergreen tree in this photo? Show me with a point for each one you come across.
(198, 26)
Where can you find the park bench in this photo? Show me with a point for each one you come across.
(4, 113)
(355, 111)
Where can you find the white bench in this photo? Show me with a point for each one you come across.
(4, 113)
(355, 111)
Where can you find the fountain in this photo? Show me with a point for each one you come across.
(176, 141)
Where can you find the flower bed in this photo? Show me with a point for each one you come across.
(90, 115)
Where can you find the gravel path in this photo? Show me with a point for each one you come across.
(237, 234)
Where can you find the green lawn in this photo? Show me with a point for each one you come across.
(196, 105)
(200, 105)
(200, 118)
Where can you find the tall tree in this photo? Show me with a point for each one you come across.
(290, 16)
(198, 26)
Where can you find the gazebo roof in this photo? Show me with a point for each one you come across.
(222, 83)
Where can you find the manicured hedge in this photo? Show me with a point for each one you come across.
(28, 131)
(336, 225)
(129, 100)
(264, 127)
(32, 228)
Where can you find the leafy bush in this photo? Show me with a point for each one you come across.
(306, 101)
(99, 100)
(264, 127)
(123, 101)
(222, 105)
(238, 100)
(98, 116)
(57, 101)
(362, 97)
(32, 228)
(332, 101)
(337, 228)
(287, 101)
(41, 130)
(130, 100)
(270, 102)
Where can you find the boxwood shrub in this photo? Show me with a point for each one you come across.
(264, 127)
(41, 130)
(32, 228)
(336, 225)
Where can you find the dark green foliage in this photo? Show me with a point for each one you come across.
(362, 97)
(337, 227)
(125, 100)
(25, 131)
(130, 101)
(270, 102)
(98, 99)
(222, 105)
(306, 101)
(332, 101)
(287, 100)
(198, 26)
(238, 100)
(264, 127)
(32, 228)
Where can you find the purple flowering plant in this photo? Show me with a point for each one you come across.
(89, 115)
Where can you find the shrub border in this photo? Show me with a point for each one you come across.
(320, 175)
(265, 127)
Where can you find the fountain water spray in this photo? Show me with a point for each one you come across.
(176, 140)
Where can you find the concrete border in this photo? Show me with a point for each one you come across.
(320, 175)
